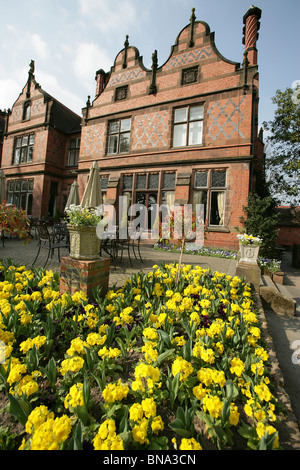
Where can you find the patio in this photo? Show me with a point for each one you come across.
(121, 270)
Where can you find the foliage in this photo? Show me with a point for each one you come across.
(140, 368)
(261, 221)
(14, 221)
(283, 160)
(82, 216)
(7, 439)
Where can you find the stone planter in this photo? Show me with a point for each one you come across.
(278, 277)
(84, 243)
(249, 253)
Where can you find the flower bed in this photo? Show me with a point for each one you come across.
(266, 264)
(153, 365)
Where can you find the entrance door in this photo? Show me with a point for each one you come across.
(149, 200)
(52, 199)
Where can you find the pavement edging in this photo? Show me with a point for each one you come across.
(289, 424)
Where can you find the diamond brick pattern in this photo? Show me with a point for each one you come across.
(92, 140)
(226, 119)
(150, 130)
(189, 57)
(127, 76)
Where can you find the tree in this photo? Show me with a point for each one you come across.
(261, 221)
(283, 157)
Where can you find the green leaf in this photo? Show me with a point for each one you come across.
(164, 356)
(19, 408)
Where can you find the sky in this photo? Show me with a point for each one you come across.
(70, 40)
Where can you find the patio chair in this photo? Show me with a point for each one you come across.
(133, 243)
(50, 242)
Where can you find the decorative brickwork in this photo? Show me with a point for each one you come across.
(151, 130)
(190, 57)
(226, 119)
(84, 275)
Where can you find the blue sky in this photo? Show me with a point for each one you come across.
(71, 39)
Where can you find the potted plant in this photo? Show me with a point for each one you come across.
(249, 248)
(82, 224)
(14, 221)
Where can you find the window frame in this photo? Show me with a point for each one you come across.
(118, 134)
(75, 149)
(209, 189)
(23, 149)
(16, 192)
(188, 121)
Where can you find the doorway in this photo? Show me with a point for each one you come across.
(149, 201)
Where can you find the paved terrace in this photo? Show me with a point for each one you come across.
(120, 270)
(24, 254)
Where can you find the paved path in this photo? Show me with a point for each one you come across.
(284, 330)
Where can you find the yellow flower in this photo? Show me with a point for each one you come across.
(183, 367)
(139, 432)
(157, 424)
(189, 444)
(73, 364)
(136, 412)
(263, 430)
(237, 366)
(115, 392)
(149, 407)
(213, 405)
(75, 396)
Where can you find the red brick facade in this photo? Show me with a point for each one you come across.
(184, 132)
(35, 151)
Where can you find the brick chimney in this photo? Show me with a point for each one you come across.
(250, 32)
(100, 78)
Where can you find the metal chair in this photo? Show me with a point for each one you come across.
(131, 242)
(50, 242)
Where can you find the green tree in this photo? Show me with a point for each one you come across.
(283, 145)
(261, 221)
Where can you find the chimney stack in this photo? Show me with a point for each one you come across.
(100, 81)
(250, 32)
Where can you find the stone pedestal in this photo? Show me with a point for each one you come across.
(84, 275)
(251, 273)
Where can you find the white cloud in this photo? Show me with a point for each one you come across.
(26, 42)
(39, 46)
(88, 59)
(9, 92)
(112, 16)
(51, 85)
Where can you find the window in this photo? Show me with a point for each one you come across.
(26, 112)
(104, 183)
(188, 126)
(121, 93)
(74, 152)
(210, 190)
(23, 149)
(168, 189)
(20, 193)
(189, 76)
(119, 136)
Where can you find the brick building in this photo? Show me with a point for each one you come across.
(38, 158)
(184, 132)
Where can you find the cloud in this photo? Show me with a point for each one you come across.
(27, 42)
(88, 59)
(9, 92)
(39, 46)
(51, 85)
(112, 16)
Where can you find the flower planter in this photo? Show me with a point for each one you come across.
(278, 277)
(249, 253)
(84, 242)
